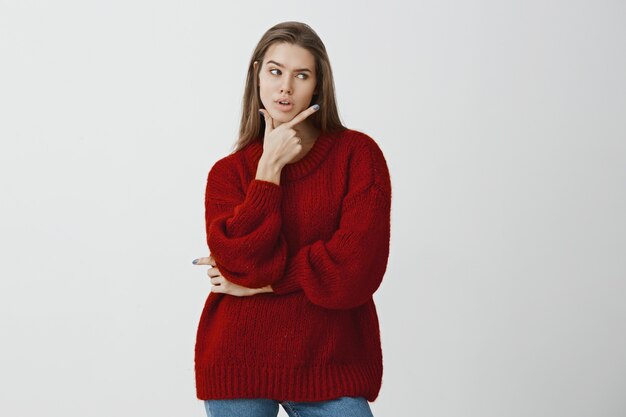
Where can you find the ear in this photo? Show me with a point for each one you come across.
(255, 65)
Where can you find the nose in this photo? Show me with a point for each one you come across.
(286, 87)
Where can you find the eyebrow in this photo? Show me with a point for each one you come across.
(282, 66)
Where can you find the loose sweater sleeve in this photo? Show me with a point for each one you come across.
(345, 271)
(244, 228)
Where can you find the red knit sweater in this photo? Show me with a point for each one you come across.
(321, 240)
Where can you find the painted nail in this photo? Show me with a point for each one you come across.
(316, 106)
(195, 261)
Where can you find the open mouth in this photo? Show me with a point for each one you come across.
(284, 105)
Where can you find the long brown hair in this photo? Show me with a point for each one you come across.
(297, 33)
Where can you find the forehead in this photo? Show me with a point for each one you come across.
(291, 56)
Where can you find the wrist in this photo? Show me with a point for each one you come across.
(268, 170)
(268, 162)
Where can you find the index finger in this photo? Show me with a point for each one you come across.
(303, 115)
(207, 260)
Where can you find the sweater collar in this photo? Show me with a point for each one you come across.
(304, 165)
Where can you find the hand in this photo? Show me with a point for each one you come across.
(222, 285)
(281, 144)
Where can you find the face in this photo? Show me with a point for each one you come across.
(287, 73)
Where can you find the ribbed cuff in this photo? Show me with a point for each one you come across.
(262, 199)
(263, 194)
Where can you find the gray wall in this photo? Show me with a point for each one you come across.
(503, 127)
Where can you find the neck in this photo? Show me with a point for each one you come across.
(307, 132)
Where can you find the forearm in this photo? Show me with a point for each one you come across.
(344, 271)
(252, 222)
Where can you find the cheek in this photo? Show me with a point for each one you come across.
(264, 91)
(266, 80)
(307, 93)
(310, 88)
(266, 86)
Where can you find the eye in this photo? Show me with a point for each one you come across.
(302, 73)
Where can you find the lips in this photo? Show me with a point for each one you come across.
(284, 107)
(286, 100)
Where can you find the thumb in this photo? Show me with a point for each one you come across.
(269, 122)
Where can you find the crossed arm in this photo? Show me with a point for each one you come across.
(249, 252)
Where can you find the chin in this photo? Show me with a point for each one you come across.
(281, 117)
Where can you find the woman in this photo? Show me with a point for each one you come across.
(298, 227)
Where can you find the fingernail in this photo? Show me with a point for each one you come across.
(261, 113)
(195, 261)
(316, 106)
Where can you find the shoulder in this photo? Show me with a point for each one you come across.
(235, 162)
(355, 140)
(227, 173)
(224, 168)
(366, 159)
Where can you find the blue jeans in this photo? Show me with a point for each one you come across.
(262, 407)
